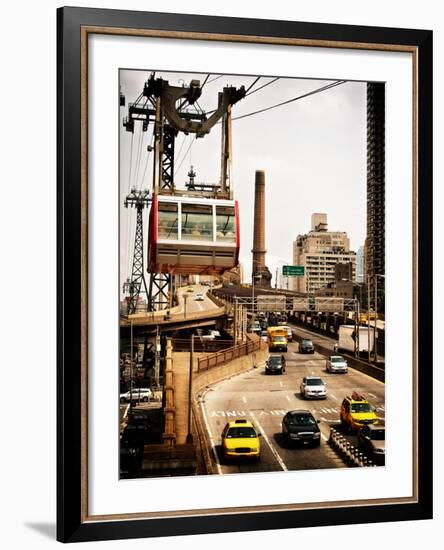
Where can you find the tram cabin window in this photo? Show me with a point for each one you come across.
(167, 225)
(197, 222)
(225, 224)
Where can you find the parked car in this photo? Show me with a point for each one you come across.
(336, 363)
(240, 439)
(356, 412)
(301, 427)
(275, 364)
(136, 394)
(306, 346)
(313, 387)
(371, 440)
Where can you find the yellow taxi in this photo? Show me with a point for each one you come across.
(240, 439)
(356, 412)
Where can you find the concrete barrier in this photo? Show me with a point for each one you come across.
(237, 366)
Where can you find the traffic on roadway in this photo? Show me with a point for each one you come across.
(289, 416)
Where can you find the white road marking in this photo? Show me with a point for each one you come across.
(282, 385)
(372, 395)
(126, 411)
(244, 399)
(273, 450)
(213, 446)
(288, 398)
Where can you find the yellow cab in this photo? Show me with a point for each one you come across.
(240, 439)
(356, 412)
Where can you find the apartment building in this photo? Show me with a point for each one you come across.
(319, 251)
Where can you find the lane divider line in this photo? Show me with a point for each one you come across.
(273, 450)
(213, 445)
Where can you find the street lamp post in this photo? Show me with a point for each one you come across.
(253, 277)
(376, 311)
(190, 379)
(185, 298)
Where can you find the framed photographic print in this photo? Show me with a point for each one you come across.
(244, 274)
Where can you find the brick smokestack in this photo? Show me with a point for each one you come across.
(259, 270)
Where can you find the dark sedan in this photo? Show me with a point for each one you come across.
(301, 427)
(275, 364)
(306, 346)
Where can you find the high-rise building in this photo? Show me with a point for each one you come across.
(360, 265)
(375, 244)
(319, 251)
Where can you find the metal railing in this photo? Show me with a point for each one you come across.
(201, 345)
(225, 356)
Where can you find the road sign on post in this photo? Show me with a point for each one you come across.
(293, 270)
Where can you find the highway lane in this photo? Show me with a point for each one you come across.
(264, 399)
(193, 305)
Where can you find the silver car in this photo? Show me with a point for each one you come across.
(136, 394)
(313, 387)
(336, 363)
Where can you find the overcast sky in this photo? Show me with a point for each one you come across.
(313, 152)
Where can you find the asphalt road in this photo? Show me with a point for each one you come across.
(264, 399)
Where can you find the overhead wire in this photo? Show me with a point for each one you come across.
(147, 159)
(322, 89)
(249, 88)
(260, 87)
(185, 155)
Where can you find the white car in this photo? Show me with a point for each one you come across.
(199, 297)
(336, 363)
(136, 394)
(313, 387)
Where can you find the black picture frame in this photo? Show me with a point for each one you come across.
(73, 523)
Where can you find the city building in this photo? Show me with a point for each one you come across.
(375, 243)
(360, 265)
(318, 251)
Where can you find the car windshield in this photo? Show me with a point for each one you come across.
(279, 338)
(337, 359)
(314, 382)
(377, 435)
(307, 342)
(361, 407)
(274, 360)
(302, 420)
(243, 431)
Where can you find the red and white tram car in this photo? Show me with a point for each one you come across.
(192, 235)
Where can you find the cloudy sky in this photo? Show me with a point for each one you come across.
(313, 151)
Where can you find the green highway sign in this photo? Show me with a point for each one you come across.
(293, 270)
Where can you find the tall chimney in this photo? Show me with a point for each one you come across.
(260, 271)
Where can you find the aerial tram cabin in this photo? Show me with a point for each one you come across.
(192, 235)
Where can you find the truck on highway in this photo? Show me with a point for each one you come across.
(277, 339)
(353, 338)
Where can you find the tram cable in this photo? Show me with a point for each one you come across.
(322, 89)
(260, 87)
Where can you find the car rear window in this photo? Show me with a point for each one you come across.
(360, 407)
(377, 435)
(314, 382)
(302, 420)
(241, 432)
